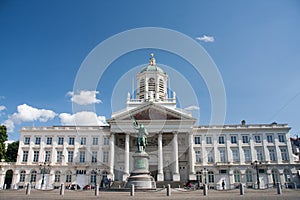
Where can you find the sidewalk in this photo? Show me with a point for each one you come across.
(176, 194)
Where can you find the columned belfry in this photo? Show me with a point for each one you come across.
(152, 82)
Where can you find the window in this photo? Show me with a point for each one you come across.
(284, 156)
(93, 177)
(22, 176)
(27, 140)
(221, 140)
(36, 156)
(233, 139)
(275, 176)
(95, 141)
(197, 140)
(83, 141)
(33, 176)
(210, 157)
(257, 139)
(247, 155)
(222, 155)
(287, 175)
(59, 156)
(208, 140)
(94, 156)
(249, 176)
(211, 177)
(199, 176)
(237, 176)
(37, 140)
(57, 177)
(272, 154)
(25, 156)
(245, 139)
(82, 156)
(70, 156)
(69, 177)
(106, 141)
(105, 156)
(60, 141)
(281, 138)
(198, 156)
(235, 155)
(270, 138)
(259, 154)
(47, 156)
(81, 171)
(49, 141)
(71, 141)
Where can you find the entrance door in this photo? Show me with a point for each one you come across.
(8, 179)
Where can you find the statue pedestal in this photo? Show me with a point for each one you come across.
(140, 176)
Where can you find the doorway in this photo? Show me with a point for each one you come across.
(8, 179)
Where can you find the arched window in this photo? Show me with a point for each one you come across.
(22, 176)
(33, 176)
(211, 177)
(199, 176)
(237, 176)
(287, 175)
(57, 177)
(69, 176)
(93, 177)
(249, 176)
(275, 176)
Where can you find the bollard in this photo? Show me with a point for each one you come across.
(28, 189)
(4, 187)
(132, 190)
(279, 190)
(169, 190)
(242, 189)
(97, 190)
(295, 185)
(205, 190)
(119, 186)
(62, 189)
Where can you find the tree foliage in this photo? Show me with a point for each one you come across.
(12, 152)
(3, 139)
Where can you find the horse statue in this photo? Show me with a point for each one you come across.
(141, 141)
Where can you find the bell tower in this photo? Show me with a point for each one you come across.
(152, 83)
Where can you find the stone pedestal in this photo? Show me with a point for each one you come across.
(140, 177)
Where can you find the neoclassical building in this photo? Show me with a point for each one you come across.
(179, 150)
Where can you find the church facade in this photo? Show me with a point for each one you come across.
(258, 155)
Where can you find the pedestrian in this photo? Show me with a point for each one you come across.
(109, 182)
(223, 184)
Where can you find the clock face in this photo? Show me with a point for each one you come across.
(151, 80)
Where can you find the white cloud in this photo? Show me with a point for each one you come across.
(2, 108)
(206, 38)
(192, 108)
(26, 113)
(83, 118)
(84, 97)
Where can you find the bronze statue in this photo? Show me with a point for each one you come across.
(141, 141)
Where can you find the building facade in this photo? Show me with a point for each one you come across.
(179, 151)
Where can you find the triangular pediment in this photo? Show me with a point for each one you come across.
(152, 111)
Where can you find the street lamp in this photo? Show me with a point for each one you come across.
(204, 174)
(256, 164)
(43, 169)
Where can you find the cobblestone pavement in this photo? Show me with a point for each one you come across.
(176, 194)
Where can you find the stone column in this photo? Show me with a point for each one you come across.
(176, 176)
(192, 175)
(160, 174)
(126, 162)
(112, 155)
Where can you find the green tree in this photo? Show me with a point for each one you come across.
(3, 139)
(12, 152)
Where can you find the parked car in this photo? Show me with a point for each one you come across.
(74, 187)
(88, 187)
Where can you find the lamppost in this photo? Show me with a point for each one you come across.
(97, 171)
(204, 174)
(256, 164)
(43, 170)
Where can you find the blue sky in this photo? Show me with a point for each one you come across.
(43, 43)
